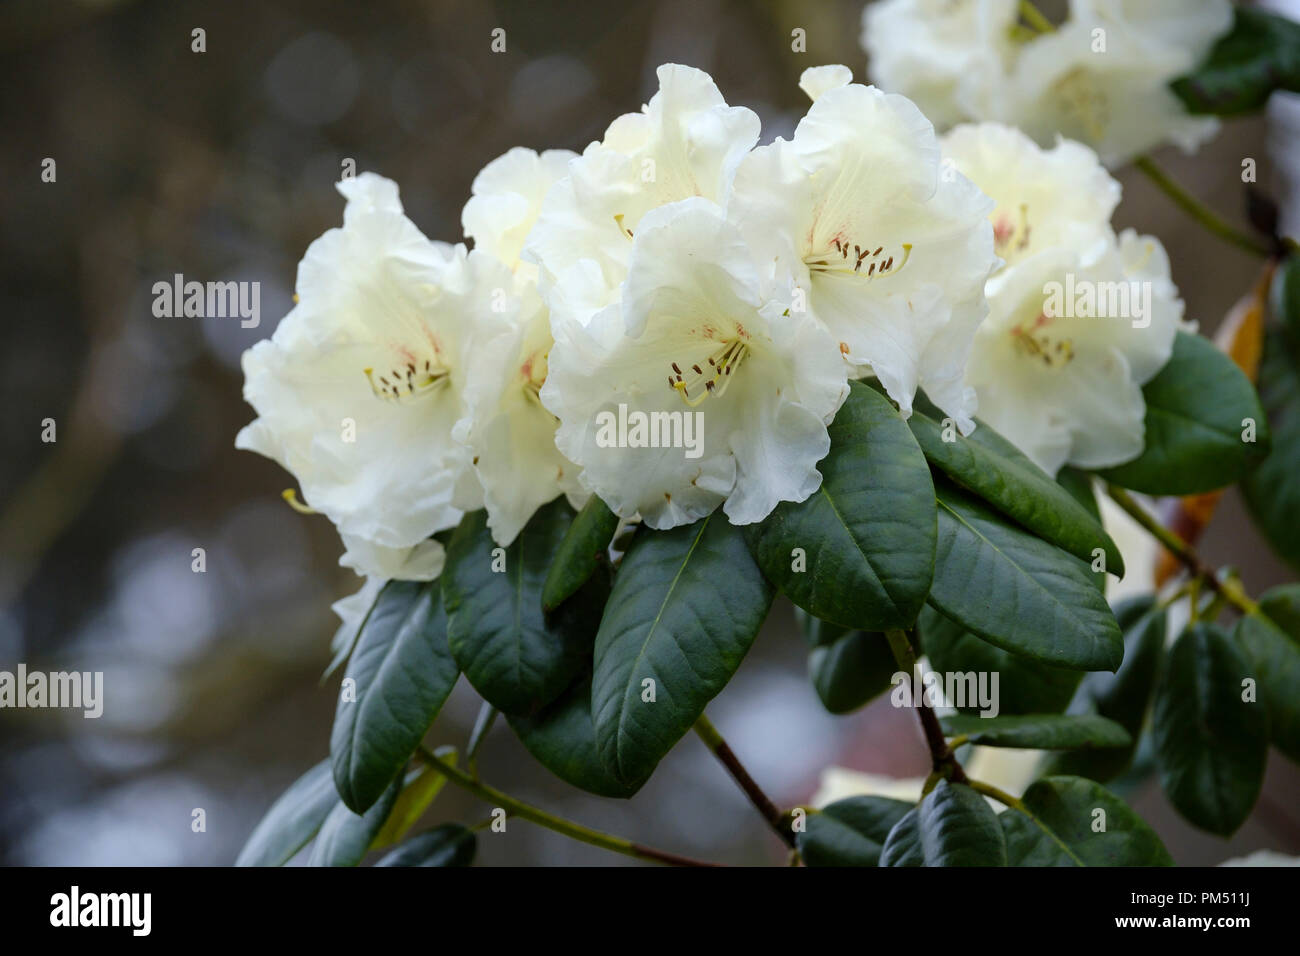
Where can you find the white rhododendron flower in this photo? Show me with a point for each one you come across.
(892, 255)
(948, 56)
(1071, 338)
(359, 388)
(506, 197)
(1103, 77)
(685, 142)
(1043, 198)
(509, 433)
(702, 386)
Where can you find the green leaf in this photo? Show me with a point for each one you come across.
(1211, 745)
(1281, 605)
(1260, 54)
(1024, 686)
(1124, 696)
(1271, 491)
(419, 789)
(993, 469)
(450, 844)
(952, 826)
(517, 657)
(860, 551)
(402, 671)
(851, 670)
(345, 837)
(686, 605)
(1285, 297)
(292, 820)
(563, 739)
(1276, 656)
(1078, 485)
(580, 553)
(1039, 731)
(1070, 821)
(1195, 408)
(817, 632)
(849, 832)
(1017, 591)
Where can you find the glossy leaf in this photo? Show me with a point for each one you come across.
(1039, 731)
(860, 551)
(515, 655)
(1211, 746)
(851, 670)
(450, 844)
(1275, 654)
(1070, 821)
(1024, 686)
(993, 469)
(1017, 591)
(292, 820)
(952, 826)
(581, 552)
(1259, 55)
(1272, 491)
(419, 789)
(345, 836)
(1196, 407)
(401, 673)
(563, 739)
(685, 607)
(849, 832)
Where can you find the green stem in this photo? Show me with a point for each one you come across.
(1034, 17)
(1229, 589)
(941, 756)
(1198, 210)
(762, 803)
(575, 831)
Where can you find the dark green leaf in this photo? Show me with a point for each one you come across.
(1078, 485)
(1281, 605)
(1211, 745)
(419, 789)
(686, 605)
(450, 844)
(292, 820)
(402, 671)
(1124, 696)
(1017, 591)
(1260, 54)
(849, 832)
(517, 657)
(1071, 821)
(345, 837)
(1039, 731)
(953, 826)
(1024, 686)
(1285, 297)
(991, 468)
(851, 670)
(1276, 656)
(860, 551)
(580, 553)
(1272, 491)
(817, 632)
(563, 739)
(1196, 406)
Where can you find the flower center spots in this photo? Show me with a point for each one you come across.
(698, 382)
(407, 382)
(863, 262)
(1082, 101)
(534, 373)
(1011, 234)
(1033, 339)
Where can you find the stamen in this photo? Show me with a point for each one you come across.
(1040, 346)
(875, 268)
(291, 496)
(407, 383)
(700, 386)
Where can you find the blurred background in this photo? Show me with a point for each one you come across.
(220, 165)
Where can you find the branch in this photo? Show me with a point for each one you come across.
(762, 803)
(1198, 210)
(941, 755)
(575, 831)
